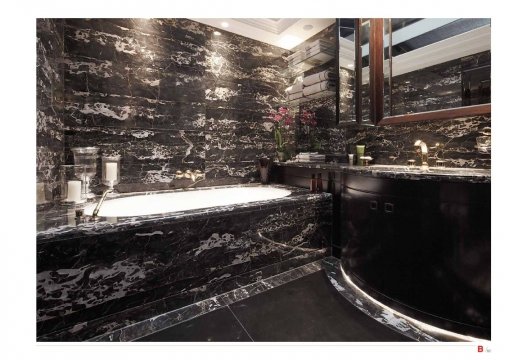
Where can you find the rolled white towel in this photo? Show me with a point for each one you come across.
(295, 96)
(316, 78)
(295, 88)
(321, 86)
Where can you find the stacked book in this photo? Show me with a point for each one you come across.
(310, 157)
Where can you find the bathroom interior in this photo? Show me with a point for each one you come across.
(263, 180)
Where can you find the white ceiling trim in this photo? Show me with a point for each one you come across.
(292, 36)
(275, 26)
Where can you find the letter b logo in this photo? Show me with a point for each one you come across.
(479, 348)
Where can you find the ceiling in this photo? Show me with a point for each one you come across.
(284, 32)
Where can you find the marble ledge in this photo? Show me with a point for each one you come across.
(400, 172)
(59, 223)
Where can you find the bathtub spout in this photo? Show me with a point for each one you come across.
(194, 183)
(98, 206)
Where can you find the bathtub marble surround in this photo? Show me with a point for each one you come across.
(95, 270)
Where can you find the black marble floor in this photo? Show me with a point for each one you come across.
(306, 309)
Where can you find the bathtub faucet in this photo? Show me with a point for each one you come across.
(99, 204)
(194, 175)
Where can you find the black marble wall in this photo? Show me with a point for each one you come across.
(169, 95)
(165, 94)
(50, 99)
(394, 144)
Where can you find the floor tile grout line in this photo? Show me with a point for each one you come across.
(236, 318)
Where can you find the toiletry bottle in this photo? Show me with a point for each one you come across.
(312, 184)
(319, 183)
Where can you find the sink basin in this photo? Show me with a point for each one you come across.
(432, 170)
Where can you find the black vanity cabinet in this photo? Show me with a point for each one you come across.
(421, 247)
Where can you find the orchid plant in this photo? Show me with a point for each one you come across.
(282, 120)
(308, 121)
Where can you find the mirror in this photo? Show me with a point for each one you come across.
(347, 70)
(432, 65)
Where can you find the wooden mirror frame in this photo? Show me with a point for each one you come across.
(376, 88)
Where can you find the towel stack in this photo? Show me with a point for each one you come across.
(319, 51)
(312, 85)
(310, 157)
(295, 91)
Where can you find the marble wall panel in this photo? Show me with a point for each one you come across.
(136, 75)
(395, 144)
(50, 90)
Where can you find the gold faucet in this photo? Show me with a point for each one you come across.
(422, 150)
(194, 175)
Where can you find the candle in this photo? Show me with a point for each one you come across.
(41, 196)
(74, 190)
(111, 171)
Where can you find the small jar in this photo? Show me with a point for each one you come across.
(319, 183)
(312, 184)
(110, 170)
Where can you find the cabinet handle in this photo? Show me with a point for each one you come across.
(373, 205)
(389, 207)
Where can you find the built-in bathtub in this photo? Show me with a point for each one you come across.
(97, 276)
(179, 201)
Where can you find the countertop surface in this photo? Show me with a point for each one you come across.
(471, 175)
(59, 222)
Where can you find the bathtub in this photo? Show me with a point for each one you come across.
(165, 250)
(177, 201)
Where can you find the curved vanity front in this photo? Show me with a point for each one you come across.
(420, 242)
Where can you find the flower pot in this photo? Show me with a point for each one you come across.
(281, 155)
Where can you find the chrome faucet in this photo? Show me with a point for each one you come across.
(422, 150)
(99, 204)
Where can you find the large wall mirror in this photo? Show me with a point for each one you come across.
(429, 68)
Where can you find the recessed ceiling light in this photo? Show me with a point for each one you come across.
(307, 27)
(289, 41)
(217, 33)
(225, 24)
(350, 65)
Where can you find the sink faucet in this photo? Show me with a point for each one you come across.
(99, 204)
(422, 150)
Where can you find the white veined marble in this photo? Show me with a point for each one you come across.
(186, 200)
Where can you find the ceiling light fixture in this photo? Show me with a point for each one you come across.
(217, 33)
(225, 24)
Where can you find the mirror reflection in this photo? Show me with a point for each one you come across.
(347, 70)
(434, 64)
